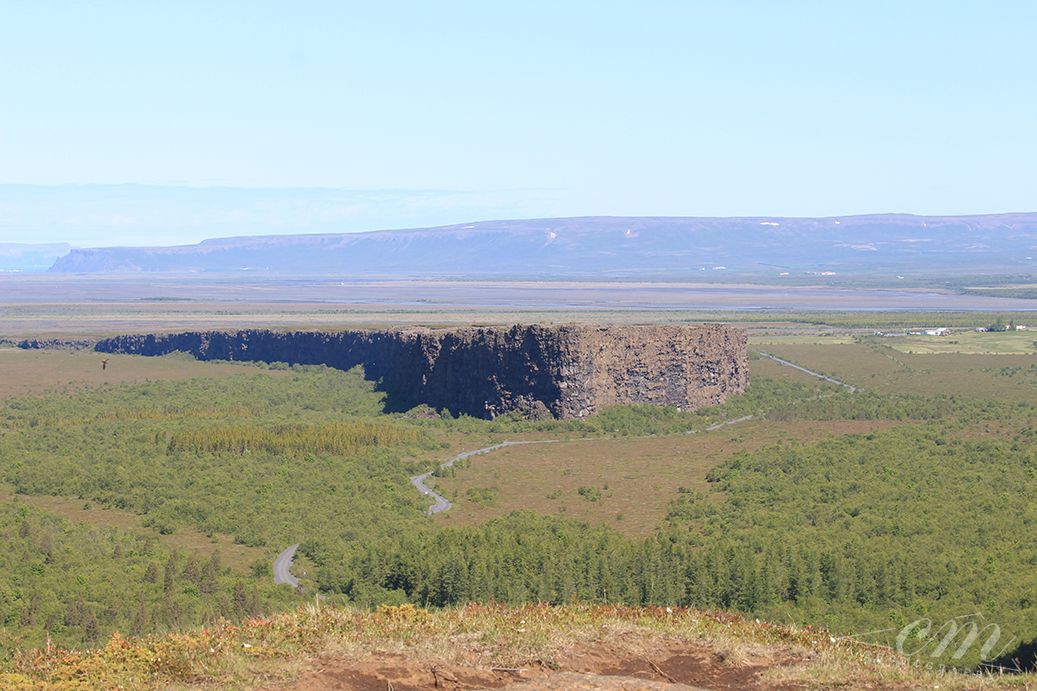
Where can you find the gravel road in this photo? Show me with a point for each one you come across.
(442, 504)
(804, 369)
(282, 565)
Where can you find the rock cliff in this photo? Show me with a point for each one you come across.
(57, 343)
(566, 371)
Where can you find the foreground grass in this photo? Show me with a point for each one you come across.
(264, 651)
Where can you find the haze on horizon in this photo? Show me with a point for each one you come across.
(153, 125)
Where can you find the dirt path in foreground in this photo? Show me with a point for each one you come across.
(598, 665)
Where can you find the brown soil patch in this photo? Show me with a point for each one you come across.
(598, 665)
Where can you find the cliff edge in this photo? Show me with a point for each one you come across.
(564, 371)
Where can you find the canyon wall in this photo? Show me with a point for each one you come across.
(564, 371)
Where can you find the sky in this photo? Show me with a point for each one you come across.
(407, 114)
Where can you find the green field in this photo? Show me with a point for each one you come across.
(969, 342)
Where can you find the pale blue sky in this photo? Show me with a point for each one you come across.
(476, 110)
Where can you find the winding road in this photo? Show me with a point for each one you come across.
(442, 504)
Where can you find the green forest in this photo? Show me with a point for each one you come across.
(931, 516)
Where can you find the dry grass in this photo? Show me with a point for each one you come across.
(978, 376)
(637, 477)
(479, 638)
(881, 368)
(26, 372)
(765, 367)
(848, 362)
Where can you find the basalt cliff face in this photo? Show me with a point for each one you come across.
(566, 372)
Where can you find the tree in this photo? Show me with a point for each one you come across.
(170, 579)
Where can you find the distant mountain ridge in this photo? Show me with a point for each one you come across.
(608, 246)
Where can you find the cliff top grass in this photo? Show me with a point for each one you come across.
(884, 366)
(486, 646)
(33, 372)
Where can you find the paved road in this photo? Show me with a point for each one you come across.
(282, 565)
(804, 369)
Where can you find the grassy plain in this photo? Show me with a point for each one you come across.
(24, 372)
(878, 366)
(632, 480)
(823, 339)
(52, 305)
(968, 342)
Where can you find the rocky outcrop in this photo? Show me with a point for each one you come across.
(55, 343)
(567, 371)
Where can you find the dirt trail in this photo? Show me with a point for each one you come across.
(778, 360)
(598, 665)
